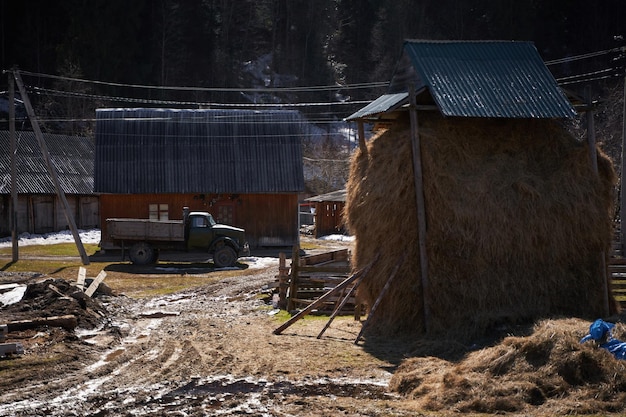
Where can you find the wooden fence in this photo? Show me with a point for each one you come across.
(310, 277)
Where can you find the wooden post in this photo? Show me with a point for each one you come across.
(293, 282)
(14, 202)
(51, 170)
(361, 133)
(421, 209)
(593, 154)
(283, 281)
(622, 196)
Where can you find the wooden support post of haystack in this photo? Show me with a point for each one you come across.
(593, 154)
(361, 133)
(380, 297)
(340, 305)
(53, 175)
(421, 206)
(622, 198)
(13, 214)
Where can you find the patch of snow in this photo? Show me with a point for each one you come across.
(340, 238)
(13, 296)
(65, 236)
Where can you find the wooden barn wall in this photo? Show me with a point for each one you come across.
(269, 219)
(43, 213)
(329, 218)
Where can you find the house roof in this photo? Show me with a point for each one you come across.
(145, 151)
(72, 157)
(503, 79)
(337, 196)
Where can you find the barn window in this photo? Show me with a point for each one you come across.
(159, 212)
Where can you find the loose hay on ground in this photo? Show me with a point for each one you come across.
(549, 369)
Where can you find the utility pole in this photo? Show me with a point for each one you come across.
(51, 170)
(13, 169)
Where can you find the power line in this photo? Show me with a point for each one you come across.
(60, 93)
(580, 57)
(215, 89)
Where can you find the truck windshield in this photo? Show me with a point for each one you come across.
(212, 221)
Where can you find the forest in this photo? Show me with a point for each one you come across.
(329, 57)
(213, 43)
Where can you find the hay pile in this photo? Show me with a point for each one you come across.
(517, 224)
(548, 370)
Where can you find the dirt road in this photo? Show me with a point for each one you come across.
(206, 351)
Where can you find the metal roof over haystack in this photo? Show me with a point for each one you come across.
(72, 157)
(141, 151)
(500, 79)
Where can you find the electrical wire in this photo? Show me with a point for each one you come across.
(216, 89)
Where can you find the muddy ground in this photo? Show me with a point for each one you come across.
(210, 350)
(205, 351)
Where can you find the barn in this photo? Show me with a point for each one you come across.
(39, 208)
(473, 203)
(242, 166)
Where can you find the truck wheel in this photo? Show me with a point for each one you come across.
(142, 253)
(224, 256)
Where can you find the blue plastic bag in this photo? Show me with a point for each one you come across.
(601, 330)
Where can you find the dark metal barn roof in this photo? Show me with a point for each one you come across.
(145, 151)
(504, 79)
(72, 157)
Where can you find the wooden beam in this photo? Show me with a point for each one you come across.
(421, 206)
(361, 133)
(380, 297)
(95, 283)
(53, 175)
(68, 322)
(14, 202)
(593, 154)
(340, 305)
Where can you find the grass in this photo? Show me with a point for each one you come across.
(59, 249)
(63, 261)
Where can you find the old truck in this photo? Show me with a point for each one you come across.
(196, 232)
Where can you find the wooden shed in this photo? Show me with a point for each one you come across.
(243, 166)
(39, 209)
(328, 213)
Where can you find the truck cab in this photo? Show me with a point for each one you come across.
(202, 232)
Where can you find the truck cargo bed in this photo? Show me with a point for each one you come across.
(145, 230)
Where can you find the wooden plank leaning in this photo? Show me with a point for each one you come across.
(340, 305)
(95, 283)
(82, 275)
(380, 297)
(325, 297)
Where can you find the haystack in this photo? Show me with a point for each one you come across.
(518, 224)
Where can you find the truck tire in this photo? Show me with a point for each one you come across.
(224, 256)
(142, 253)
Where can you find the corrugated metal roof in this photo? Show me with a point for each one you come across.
(382, 104)
(339, 195)
(71, 156)
(145, 151)
(504, 79)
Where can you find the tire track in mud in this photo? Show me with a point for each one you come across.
(214, 354)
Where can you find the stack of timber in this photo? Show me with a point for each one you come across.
(617, 270)
(312, 276)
